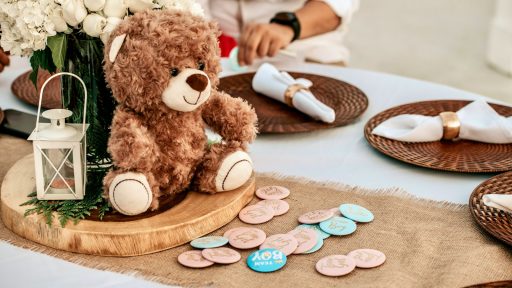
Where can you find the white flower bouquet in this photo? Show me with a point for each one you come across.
(69, 35)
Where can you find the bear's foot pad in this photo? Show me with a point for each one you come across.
(193, 216)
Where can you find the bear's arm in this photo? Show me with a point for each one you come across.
(131, 145)
(232, 118)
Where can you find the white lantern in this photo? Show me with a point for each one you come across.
(60, 152)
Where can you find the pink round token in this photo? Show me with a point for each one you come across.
(335, 265)
(221, 255)
(193, 259)
(247, 238)
(279, 206)
(314, 217)
(285, 243)
(256, 214)
(272, 192)
(336, 211)
(367, 258)
(306, 238)
(228, 232)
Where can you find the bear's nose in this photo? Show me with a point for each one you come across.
(197, 82)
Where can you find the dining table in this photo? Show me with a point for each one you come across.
(336, 155)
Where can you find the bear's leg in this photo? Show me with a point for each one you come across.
(131, 193)
(226, 166)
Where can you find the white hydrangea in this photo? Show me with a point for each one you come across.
(190, 5)
(26, 25)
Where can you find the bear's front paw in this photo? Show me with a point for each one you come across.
(234, 171)
(130, 193)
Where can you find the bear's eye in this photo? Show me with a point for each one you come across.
(174, 72)
(200, 65)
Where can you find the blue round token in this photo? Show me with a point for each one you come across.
(338, 226)
(356, 213)
(322, 233)
(318, 245)
(209, 242)
(266, 260)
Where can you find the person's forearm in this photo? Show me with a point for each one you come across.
(316, 17)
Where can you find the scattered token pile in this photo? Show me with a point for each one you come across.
(308, 237)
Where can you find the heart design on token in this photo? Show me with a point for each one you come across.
(307, 239)
(338, 226)
(221, 255)
(272, 192)
(335, 265)
(256, 214)
(316, 216)
(283, 242)
(266, 260)
(193, 259)
(279, 206)
(247, 238)
(356, 213)
(367, 258)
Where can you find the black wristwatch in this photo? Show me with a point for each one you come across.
(288, 19)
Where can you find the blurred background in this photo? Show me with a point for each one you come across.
(466, 44)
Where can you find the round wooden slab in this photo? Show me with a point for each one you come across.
(198, 214)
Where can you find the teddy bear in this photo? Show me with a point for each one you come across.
(162, 67)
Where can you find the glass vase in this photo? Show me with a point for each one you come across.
(84, 58)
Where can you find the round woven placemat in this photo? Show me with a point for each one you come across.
(24, 89)
(458, 156)
(492, 220)
(347, 101)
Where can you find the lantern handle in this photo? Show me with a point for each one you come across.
(41, 97)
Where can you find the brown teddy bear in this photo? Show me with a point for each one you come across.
(162, 67)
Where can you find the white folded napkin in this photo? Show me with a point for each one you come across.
(271, 82)
(499, 201)
(478, 122)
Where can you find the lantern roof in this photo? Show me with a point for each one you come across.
(76, 137)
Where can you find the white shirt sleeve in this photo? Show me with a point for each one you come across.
(343, 8)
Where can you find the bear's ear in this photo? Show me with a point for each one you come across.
(116, 45)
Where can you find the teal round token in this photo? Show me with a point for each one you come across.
(321, 233)
(356, 213)
(209, 242)
(318, 245)
(338, 226)
(266, 260)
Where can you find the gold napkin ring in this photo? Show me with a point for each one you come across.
(290, 92)
(451, 125)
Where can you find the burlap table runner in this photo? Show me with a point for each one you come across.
(427, 244)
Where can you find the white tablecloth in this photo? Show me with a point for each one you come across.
(338, 155)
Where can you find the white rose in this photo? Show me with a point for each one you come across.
(112, 23)
(94, 5)
(94, 24)
(115, 8)
(58, 20)
(139, 5)
(73, 11)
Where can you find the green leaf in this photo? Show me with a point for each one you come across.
(41, 59)
(58, 45)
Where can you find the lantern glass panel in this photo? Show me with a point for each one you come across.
(58, 171)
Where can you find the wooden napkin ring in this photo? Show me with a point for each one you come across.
(290, 92)
(451, 125)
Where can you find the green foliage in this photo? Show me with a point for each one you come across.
(58, 46)
(41, 59)
(71, 210)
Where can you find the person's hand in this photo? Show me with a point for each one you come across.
(4, 59)
(260, 40)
